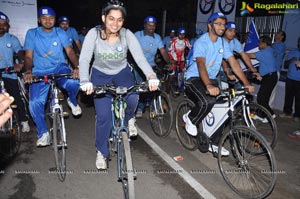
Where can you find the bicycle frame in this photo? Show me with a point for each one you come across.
(221, 112)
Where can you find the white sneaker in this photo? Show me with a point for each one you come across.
(76, 110)
(44, 140)
(100, 161)
(189, 126)
(263, 120)
(138, 114)
(25, 127)
(224, 152)
(132, 128)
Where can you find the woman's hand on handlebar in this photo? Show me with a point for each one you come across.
(153, 82)
(213, 90)
(87, 87)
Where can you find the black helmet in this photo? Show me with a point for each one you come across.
(116, 5)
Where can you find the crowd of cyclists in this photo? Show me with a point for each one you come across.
(52, 50)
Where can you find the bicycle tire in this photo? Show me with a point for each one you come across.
(10, 134)
(259, 113)
(250, 175)
(161, 114)
(59, 145)
(126, 167)
(187, 141)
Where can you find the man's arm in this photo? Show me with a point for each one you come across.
(248, 62)
(239, 72)
(165, 55)
(74, 59)
(78, 44)
(28, 63)
(205, 78)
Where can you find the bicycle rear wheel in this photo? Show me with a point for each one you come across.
(189, 142)
(126, 167)
(10, 135)
(250, 169)
(161, 114)
(59, 145)
(260, 119)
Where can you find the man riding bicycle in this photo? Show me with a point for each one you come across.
(43, 56)
(206, 58)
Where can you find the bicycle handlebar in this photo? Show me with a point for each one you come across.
(121, 90)
(9, 69)
(46, 78)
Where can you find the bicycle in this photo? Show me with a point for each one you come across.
(250, 168)
(160, 109)
(177, 82)
(10, 132)
(254, 115)
(58, 134)
(119, 141)
(160, 113)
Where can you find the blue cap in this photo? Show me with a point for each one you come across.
(63, 18)
(4, 17)
(230, 25)
(181, 31)
(215, 16)
(150, 19)
(45, 10)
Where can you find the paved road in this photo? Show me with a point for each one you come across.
(28, 176)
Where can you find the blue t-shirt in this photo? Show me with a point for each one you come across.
(293, 73)
(149, 44)
(213, 52)
(72, 34)
(47, 49)
(266, 60)
(166, 42)
(235, 45)
(9, 44)
(279, 50)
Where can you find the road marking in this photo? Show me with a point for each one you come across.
(184, 174)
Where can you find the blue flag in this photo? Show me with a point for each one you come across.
(252, 39)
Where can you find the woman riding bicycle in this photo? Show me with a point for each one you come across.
(110, 43)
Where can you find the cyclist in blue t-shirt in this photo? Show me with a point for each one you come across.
(44, 55)
(167, 39)
(150, 43)
(10, 44)
(64, 23)
(205, 63)
(236, 48)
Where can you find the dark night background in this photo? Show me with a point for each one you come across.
(87, 12)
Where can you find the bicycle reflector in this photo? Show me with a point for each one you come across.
(46, 79)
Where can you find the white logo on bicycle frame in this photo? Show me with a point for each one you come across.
(210, 119)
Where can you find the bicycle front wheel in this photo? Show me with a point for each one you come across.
(161, 114)
(250, 169)
(188, 141)
(59, 145)
(260, 119)
(126, 167)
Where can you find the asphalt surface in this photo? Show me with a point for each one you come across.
(29, 174)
